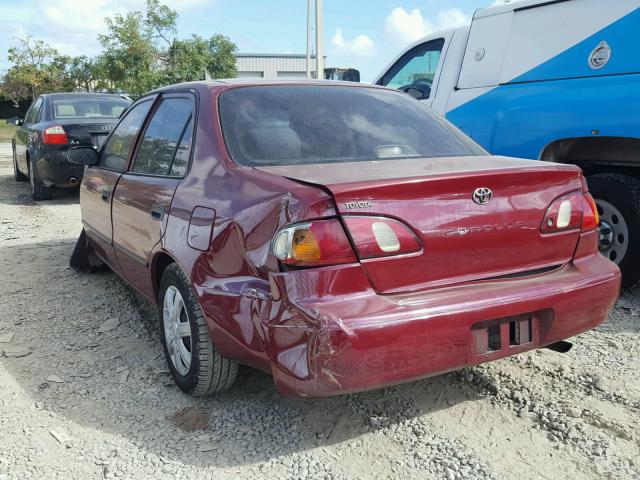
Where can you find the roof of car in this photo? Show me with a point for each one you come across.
(230, 82)
(82, 95)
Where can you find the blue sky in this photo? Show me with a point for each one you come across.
(365, 34)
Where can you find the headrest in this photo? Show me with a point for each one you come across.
(272, 142)
(65, 110)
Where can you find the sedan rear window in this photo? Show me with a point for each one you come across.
(88, 107)
(305, 124)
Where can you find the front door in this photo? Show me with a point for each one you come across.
(26, 134)
(99, 182)
(416, 71)
(143, 194)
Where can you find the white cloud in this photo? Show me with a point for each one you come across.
(407, 27)
(360, 45)
(71, 26)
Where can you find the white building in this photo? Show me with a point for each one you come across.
(272, 66)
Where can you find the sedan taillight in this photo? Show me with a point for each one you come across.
(571, 212)
(324, 242)
(54, 136)
(381, 236)
(313, 244)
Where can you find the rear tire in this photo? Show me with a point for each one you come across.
(196, 366)
(39, 191)
(17, 174)
(618, 200)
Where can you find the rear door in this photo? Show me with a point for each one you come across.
(99, 181)
(143, 195)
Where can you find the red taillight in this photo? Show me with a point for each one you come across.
(590, 218)
(571, 212)
(313, 244)
(54, 136)
(381, 236)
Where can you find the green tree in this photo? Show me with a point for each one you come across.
(37, 68)
(222, 57)
(133, 46)
(82, 74)
(193, 59)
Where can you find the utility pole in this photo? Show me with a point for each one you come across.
(319, 49)
(309, 3)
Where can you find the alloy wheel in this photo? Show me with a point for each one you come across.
(177, 330)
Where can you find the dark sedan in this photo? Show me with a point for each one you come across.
(341, 237)
(53, 123)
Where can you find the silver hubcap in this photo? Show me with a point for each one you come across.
(614, 233)
(177, 330)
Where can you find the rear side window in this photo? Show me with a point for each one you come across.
(115, 154)
(64, 108)
(167, 137)
(304, 124)
(34, 112)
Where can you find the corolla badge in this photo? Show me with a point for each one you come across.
(600, 56)
(482, 195)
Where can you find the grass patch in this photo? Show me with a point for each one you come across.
(6, 131)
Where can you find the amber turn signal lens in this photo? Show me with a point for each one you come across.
(304, 247)
(313, 244)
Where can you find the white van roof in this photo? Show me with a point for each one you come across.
(513, 5)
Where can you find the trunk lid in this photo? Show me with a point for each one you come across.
(89, 132)
(462, 240)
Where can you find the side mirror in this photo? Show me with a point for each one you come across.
(415, 93)
(14, 121)
(83, 155)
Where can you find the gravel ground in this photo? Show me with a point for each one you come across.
(85, 393)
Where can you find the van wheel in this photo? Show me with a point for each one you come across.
(197, 367)
(618, 200)
(39, 191)
(17, 174)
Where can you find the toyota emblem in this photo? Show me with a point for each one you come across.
(482, 195)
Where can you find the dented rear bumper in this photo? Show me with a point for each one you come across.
(350, 338)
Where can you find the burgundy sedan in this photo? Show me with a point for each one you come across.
(339, 236)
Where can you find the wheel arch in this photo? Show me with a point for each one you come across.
(597, 154)
(161, 260)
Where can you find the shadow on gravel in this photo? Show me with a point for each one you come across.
(19, 193)
(114, 379)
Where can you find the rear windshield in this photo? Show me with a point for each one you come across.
(304, 124)
(88, 107)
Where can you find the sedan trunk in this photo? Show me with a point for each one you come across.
(87, 132)
(462, 240)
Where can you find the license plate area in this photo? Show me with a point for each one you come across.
(505, 336)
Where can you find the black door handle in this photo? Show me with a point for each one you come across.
(105, 193)
(157, 211)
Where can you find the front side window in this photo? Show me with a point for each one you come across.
(69, 108)
(162, 141)
(117, 150)
(416, 69)
(305, 124)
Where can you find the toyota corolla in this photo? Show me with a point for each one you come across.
(341, 237)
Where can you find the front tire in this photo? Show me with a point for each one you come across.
(18, 176)
(196, 366)
(39, 191)
(618, 199)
